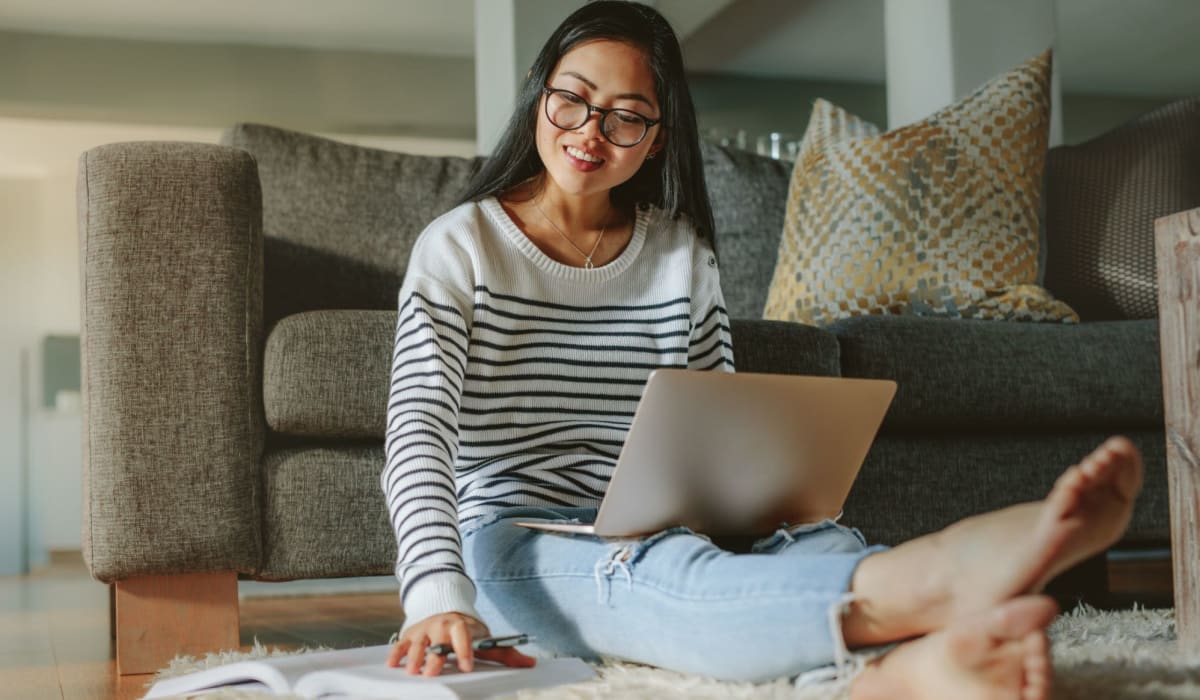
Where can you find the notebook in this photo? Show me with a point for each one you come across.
(737, 453)
(363, 673)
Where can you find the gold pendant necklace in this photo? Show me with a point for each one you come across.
(587, 257)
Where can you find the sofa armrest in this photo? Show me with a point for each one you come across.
(171, 260)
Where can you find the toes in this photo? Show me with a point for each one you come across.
(1038, 671)
(976, 639)
(1019, 617)
(1129, 479)
(1068, 490)
(1096, 464)
(1118, 463)
(872, 685)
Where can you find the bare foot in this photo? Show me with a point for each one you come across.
(984, 560)
(1000, 654)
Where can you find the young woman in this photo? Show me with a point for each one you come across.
(530, 318)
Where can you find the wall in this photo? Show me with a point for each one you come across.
(761, 105)
(18, 279)
(216, 85)
(1088, 116)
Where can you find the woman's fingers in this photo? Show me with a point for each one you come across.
(460, 637)
(456, 631)
(434, 664)
(416, 655)
(397, 652)
(508, 656)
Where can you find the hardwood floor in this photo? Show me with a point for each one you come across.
(55, 641)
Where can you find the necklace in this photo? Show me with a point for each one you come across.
(587, 257)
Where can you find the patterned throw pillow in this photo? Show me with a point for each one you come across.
(1102, 198)
(936, 218)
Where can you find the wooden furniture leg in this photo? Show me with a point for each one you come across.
(159, 617)
(1177, 251)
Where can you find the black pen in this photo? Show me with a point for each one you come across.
(483, 643)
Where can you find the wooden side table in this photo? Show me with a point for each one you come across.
(1177, 250)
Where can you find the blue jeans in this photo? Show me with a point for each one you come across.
(673, 600)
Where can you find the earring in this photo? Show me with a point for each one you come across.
(651, 156)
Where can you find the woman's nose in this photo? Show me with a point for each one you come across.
(593, 118)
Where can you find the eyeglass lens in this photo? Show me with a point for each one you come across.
(568, 111)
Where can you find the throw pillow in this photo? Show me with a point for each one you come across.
(1102, 198)
(936, 218)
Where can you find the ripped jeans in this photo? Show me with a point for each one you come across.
(673, 600)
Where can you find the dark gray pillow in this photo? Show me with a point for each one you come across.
(339, 220)
(749, 196)
(1102, 198)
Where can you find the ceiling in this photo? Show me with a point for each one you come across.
(1118, 47)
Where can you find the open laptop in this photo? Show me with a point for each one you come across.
(737, 453)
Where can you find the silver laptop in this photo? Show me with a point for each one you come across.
(737, 453)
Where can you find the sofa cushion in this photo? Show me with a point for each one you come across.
(776, 347)
(912, 484)
(937, 218)
(339, 220)
(325, 373)
(1102, 198)
(975, 375)
(748, 194)
(324, 513)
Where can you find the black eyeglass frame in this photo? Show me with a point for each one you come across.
(593, 109)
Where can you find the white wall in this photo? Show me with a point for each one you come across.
(39, 286)
(19, 222)
(516, 31)
(939, 51)
(214, 85)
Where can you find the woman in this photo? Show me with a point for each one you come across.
(531, 315)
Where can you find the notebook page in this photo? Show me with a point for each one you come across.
(487, 680)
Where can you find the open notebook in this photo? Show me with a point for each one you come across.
(361, 673)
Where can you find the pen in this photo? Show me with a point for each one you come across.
(483, 643)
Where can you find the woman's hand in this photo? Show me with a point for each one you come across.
(455, 629)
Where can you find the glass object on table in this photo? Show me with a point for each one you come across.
(726, 136)
(780, 145)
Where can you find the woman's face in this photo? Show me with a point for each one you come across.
(607, 74)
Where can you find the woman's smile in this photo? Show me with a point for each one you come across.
(582, 160)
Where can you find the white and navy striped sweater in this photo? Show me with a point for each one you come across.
(515, 377)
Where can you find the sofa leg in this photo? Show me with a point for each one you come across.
(159, 617)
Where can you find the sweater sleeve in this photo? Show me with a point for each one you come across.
(711, 344)
(421, 443)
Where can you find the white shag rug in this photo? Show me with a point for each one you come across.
(1123, 655)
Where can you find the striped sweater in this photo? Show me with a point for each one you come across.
(515, 377)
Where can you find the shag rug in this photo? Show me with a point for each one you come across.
(1097, 655)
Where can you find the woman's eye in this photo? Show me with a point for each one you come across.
(628, 118)
(572, 98)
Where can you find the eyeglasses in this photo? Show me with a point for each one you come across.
(621, 127)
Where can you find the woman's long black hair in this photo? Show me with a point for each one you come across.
(673, 181)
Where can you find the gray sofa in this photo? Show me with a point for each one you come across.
(239, 306)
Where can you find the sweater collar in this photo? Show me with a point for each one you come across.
(495, 210)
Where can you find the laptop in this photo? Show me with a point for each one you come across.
(737, 453)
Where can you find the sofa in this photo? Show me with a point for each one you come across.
(239, 304)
